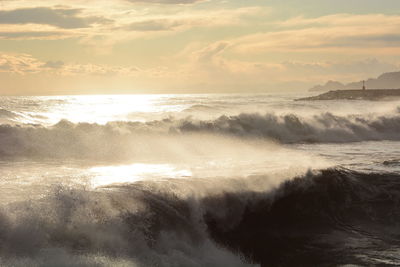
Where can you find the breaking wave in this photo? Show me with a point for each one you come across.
(7, 114)
(323, 128)
(309, 219)
(124, 138)
(335, 217)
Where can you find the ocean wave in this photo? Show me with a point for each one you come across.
(307, 221)
(83, 137)
(313, 219)
(323, 128)
(392, 162)
(205, 108)
(7, 114)
(119, 139)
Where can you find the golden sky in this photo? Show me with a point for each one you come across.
(187, 46)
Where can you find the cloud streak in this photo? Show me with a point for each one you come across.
(26, 35)
(154, 25)
(59, 17)
(168, 2)
(340, 32)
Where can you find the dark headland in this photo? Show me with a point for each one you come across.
(370, 94)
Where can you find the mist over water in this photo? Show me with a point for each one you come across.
(198, 180)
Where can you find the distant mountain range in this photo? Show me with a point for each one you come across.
(390, 80)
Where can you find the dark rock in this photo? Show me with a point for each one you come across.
(370, 94)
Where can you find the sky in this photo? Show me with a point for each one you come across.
(50, 47)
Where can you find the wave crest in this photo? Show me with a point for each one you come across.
(312, 218)
(122, 139)
(294, 129)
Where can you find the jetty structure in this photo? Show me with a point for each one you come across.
(356, 94)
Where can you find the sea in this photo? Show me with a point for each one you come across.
(199, 180)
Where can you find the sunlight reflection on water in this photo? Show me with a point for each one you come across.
(106, 175)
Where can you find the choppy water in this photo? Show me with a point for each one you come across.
(198, 180)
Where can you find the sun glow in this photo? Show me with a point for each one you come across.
(107, 175)
(101, 108)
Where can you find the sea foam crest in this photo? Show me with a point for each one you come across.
(153, 224)
(121, 138)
